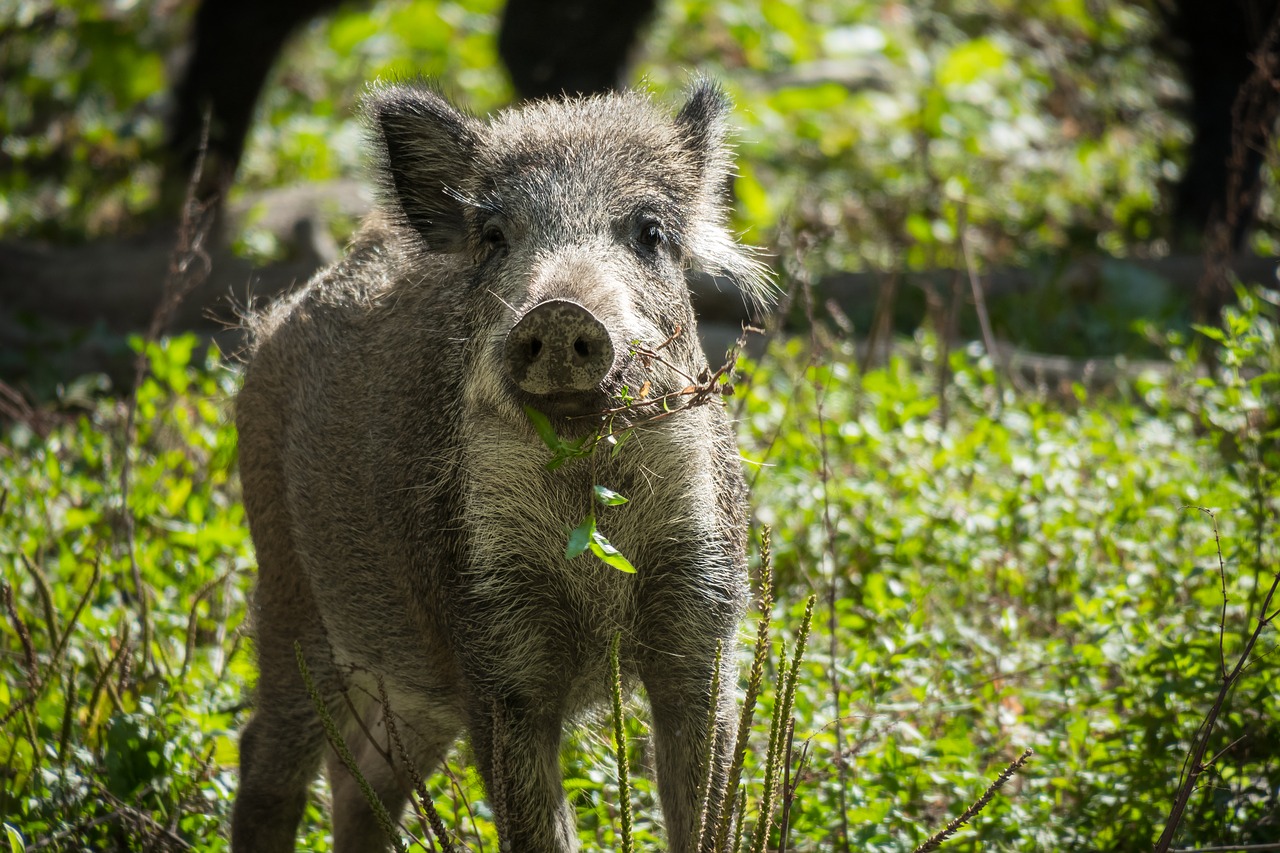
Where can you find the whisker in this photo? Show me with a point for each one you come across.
(503, 301)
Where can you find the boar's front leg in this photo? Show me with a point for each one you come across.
(680, 695)
(685, 612)
(517, 745)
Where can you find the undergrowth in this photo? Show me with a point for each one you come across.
(1016, 569)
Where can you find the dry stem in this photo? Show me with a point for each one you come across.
(935, 841)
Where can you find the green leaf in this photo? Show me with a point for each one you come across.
(1211, 332)
(971, 61)
(617, 440)
(580, 537)
(586, 535)
(542, 426)
(608, 497)
(562, 451)
(16, 844)
(570, 450)
(603, 548)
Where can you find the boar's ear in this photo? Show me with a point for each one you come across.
(703, 127)
(426, 147)
(701, 122)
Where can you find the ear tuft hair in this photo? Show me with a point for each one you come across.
(702, 119)
(426, 150)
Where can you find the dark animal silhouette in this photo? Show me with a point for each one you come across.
(548, 46)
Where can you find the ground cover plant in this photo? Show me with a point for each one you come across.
(1027, 571)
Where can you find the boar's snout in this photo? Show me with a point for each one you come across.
(559, 347)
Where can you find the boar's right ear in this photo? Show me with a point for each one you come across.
(426, 147)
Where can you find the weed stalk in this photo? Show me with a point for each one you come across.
(620, 744)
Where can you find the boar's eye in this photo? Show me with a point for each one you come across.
(651, 235)
(493, 236)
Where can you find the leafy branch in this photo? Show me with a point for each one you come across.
(710, 385)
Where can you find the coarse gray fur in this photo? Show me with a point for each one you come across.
(405, 524)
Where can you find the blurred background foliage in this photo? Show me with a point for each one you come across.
(1042, 126)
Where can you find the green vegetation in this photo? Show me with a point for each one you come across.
(1027, 572)
(998, 565)
(1030, 572)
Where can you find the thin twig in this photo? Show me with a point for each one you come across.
(339, 745)
(358, 717)
(1222, 575)
(193, 619)
(34, 685)
(460, 794)
(102, 682)
(80, 606)
(948, 328)
(1229, 848)
(68, 713)
(984, 320)
(833, 579)
(712, 385)
(1225, 750)
(424, 799)
(162, 837)
(46, 597)
(880, 337)
(790, 783)
(189, 266)
(1195, 764)
(24, 637)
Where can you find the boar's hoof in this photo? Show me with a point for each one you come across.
(558, 347)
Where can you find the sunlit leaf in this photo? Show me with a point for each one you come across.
(607, 496)
(580, 537)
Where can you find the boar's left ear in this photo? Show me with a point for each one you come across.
(701, 122)
(703, 128)
(426, 148)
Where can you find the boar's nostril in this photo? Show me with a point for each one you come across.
(558, 347)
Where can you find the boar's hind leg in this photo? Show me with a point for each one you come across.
(356, 828)
(280, 754)
(284, 741)
(517, 745)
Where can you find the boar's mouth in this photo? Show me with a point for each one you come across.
(577, 412)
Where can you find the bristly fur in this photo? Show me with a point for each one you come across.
(432, 200)
(408, 532)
